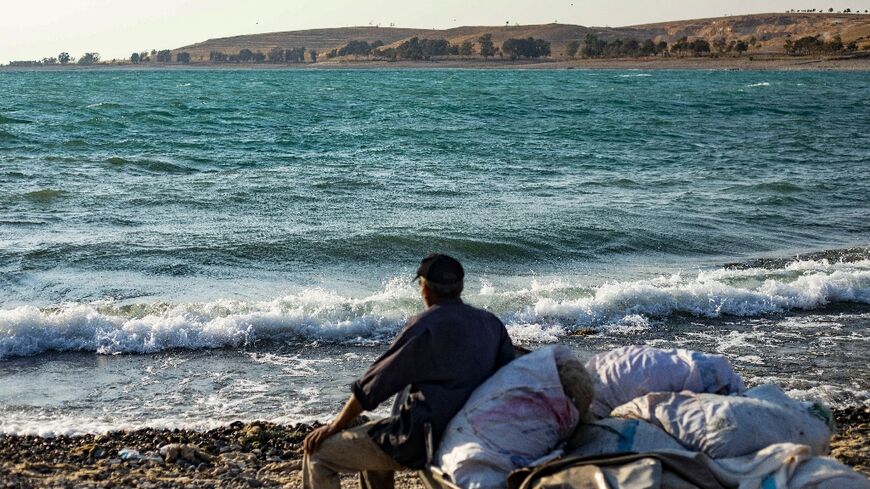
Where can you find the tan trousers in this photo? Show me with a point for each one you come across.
(347, 452)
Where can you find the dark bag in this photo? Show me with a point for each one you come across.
(403, 435)
(628, 471)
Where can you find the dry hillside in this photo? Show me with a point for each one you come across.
(770, 30)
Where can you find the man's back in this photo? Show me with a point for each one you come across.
(443, 354)
(440, 356)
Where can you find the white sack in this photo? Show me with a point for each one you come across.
(826, 473)
(513, 419)
(610, 436)
(787, 466)
(732, 426)
(629, 372)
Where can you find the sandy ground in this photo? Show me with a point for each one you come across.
(858, 62)
(237, 456)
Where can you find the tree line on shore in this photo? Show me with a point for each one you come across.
(416, 49)
(594, 47)
(61, 59)
(87, 59)
(814, 45)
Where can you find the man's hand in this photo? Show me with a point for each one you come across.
(352, 409)
(315, 438)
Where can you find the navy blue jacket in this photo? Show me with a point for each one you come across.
(443, 354)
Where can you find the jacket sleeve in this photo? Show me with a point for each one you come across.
(505, 349)
(404, 363)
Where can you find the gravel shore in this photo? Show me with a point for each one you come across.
(239, 455)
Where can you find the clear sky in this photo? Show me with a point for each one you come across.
(33, 29)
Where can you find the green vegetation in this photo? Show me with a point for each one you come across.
(280, 55)
(527, 48)
(411, 49)
(62, 58)
(89, 59)
(22, 64)
(431, 47)
(275, 56)
(571, 48)
(593, 47)
(813, 45)
(487, 48)
(294, 55)
(416, 49)
(696, 47)
(466, 48)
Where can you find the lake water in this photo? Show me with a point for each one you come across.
(187, 248)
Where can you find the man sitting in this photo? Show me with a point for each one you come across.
(443, 354)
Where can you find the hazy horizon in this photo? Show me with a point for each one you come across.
(44, 28)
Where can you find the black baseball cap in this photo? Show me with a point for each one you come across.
(440, 269)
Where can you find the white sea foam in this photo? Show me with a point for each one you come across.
(762, 84)
(105, 329)
(747, 292)
(540, 312)
(840, 396)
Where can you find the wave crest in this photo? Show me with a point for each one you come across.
(748, 292)
(540, 312)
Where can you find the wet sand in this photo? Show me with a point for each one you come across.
(239, 455)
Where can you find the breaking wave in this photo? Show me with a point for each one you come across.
(542, 311)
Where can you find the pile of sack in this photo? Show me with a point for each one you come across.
(636, 417)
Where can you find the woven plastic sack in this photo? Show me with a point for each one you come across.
(610, 436)
(733, 426)
(514, 419)
(629, 372)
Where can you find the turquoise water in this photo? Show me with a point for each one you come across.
(236, 175)
(164, 212)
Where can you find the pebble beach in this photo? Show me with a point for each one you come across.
(239, 455)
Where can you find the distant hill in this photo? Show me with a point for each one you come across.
(769, 30)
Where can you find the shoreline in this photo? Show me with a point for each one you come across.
(256, 454)
(744, 63)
